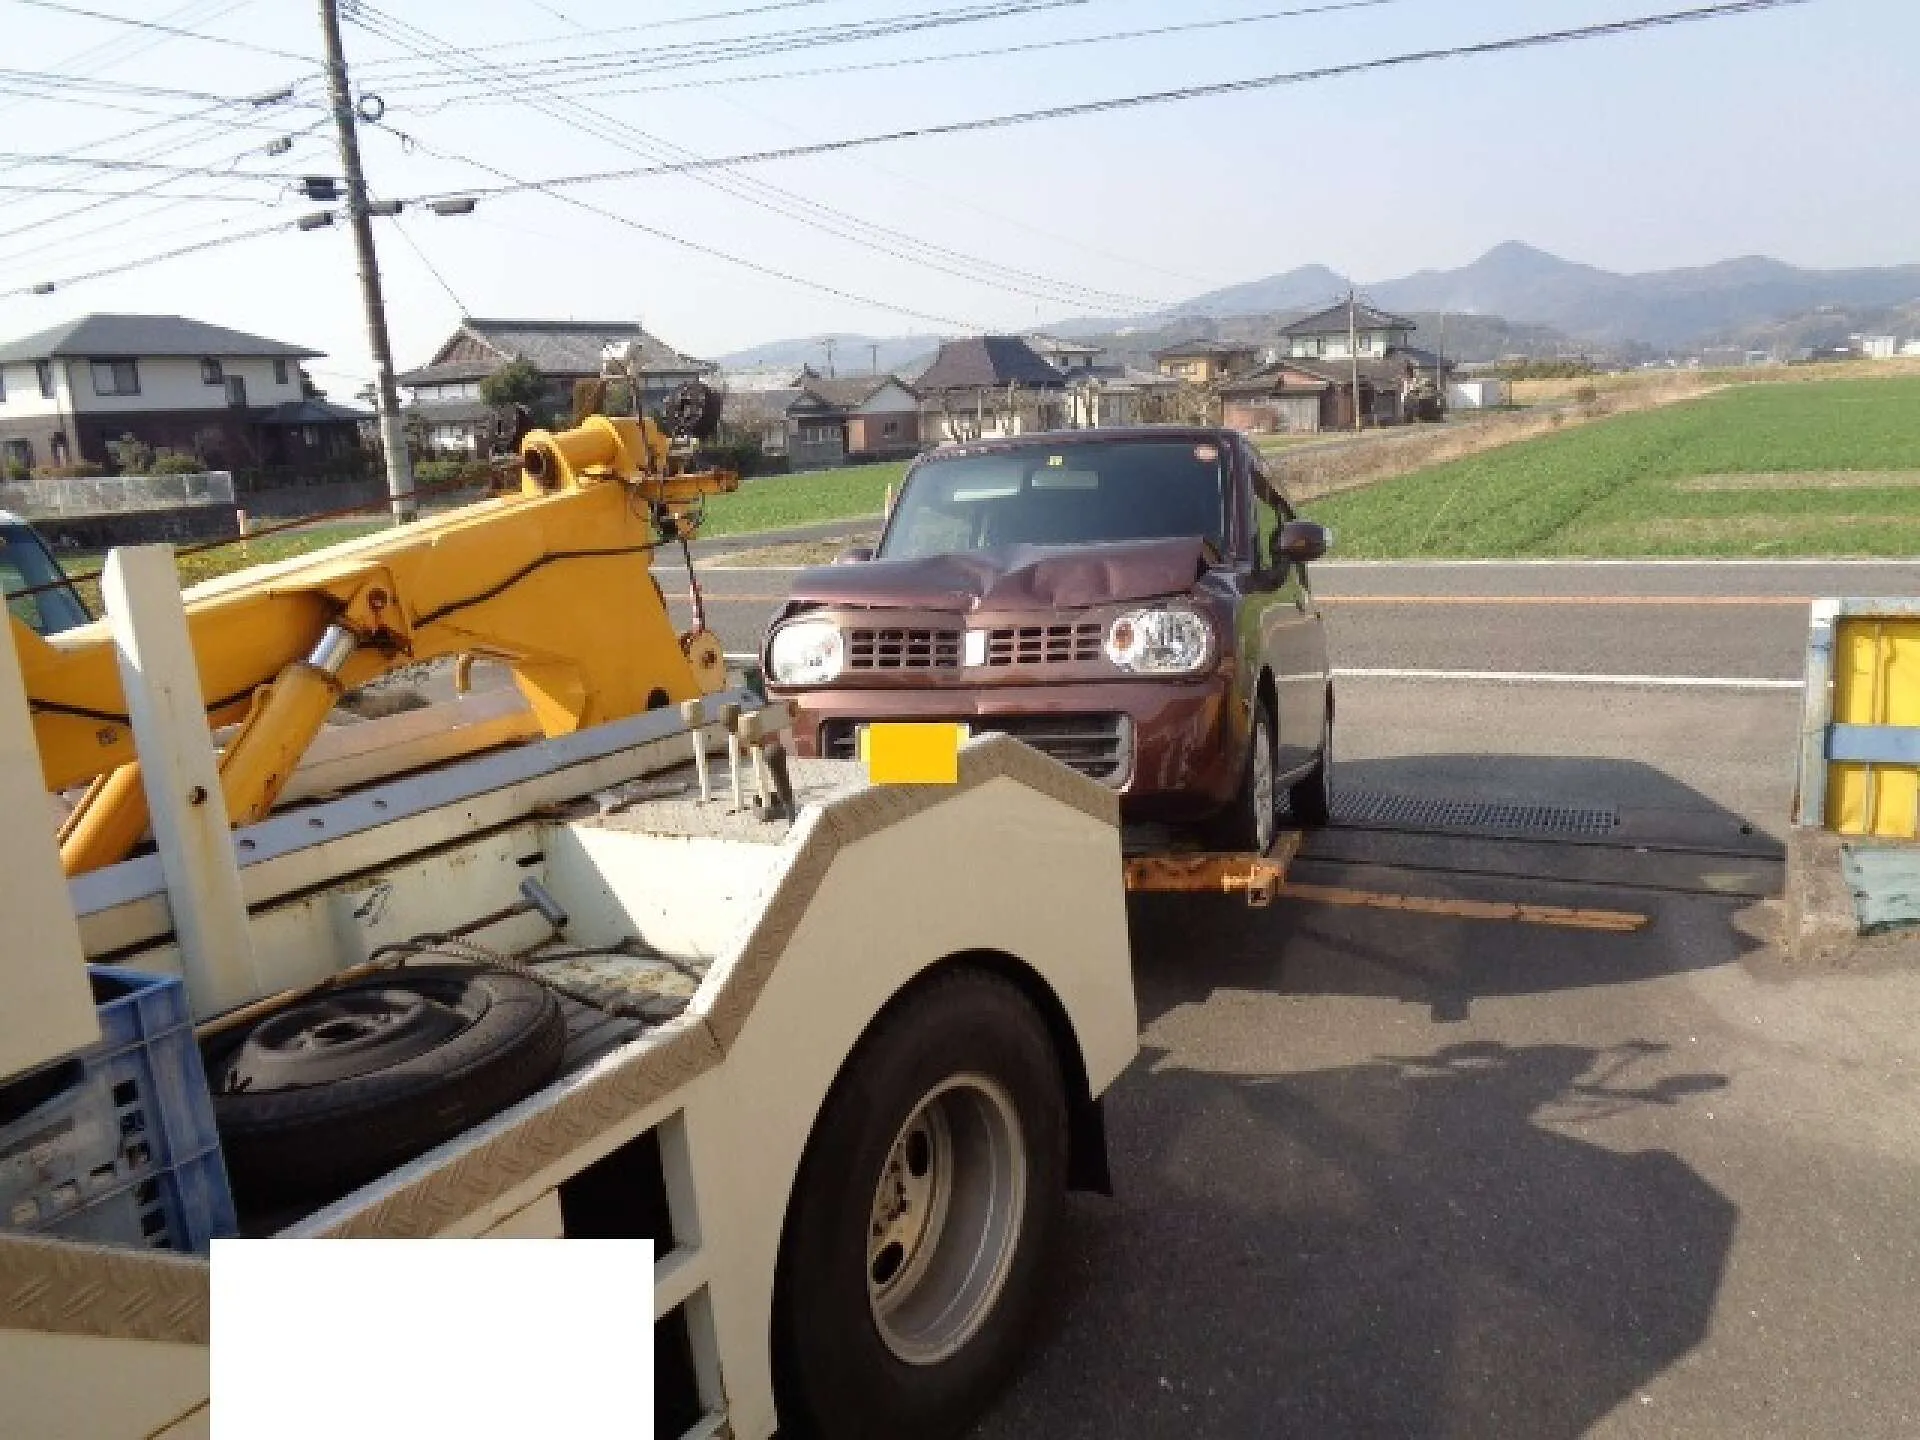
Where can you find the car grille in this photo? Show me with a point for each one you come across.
(903, 650)
(1098, 746)
(1044, 644)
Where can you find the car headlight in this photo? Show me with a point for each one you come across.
(1165, 640)
(807, 652)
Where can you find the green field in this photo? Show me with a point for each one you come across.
(774, 502)
(1767, 470)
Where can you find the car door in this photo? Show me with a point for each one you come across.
(1292, 632)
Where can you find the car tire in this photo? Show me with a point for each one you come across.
(888, 1322)
(323, 1095)
(1251, 821)
(1310, 798)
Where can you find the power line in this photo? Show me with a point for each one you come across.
(376, 68)
(118, 49)
(129, 194)
(51, 79)
(169, 30)
(998, 51)
(518, 186)
(141, 192)
(115, 164)
(810, 212)
(1114, 104)
(570, 70)
(140, 264)
(432, 269)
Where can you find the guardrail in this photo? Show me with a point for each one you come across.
(1859, 764)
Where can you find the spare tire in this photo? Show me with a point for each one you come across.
(324, 1095)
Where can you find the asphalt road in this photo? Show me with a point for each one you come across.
(1387, 1175)
(1716, 620)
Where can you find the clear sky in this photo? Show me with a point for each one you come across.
(1793, 133)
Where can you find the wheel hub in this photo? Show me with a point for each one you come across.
(337, 1037)
(945, 1220)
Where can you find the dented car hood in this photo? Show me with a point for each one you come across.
(1013, 578)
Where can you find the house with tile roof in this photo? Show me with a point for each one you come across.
(236, 401)
(1203, 361)
(444, 394)
(989, 385)
(846, 421)
(1328, 363)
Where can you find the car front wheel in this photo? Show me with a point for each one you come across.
(1250, 820)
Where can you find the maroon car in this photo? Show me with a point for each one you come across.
(1134, 603)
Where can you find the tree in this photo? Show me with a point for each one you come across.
(515, 383)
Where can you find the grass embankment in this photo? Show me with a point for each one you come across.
(1754, 470)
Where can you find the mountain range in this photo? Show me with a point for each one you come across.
(1518, 283)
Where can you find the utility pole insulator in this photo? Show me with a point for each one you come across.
(393, 434)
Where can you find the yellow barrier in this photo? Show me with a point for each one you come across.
(1860, 735)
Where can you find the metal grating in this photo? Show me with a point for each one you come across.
(903, 650)
(1423, 812)
(1044, 644)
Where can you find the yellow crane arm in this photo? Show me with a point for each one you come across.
(554, 582)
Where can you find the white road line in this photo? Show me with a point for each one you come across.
(1552, 677)
(1319, 565)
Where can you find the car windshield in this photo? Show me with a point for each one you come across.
(1078, 494)
(26, 565)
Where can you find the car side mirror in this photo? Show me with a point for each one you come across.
(1300, 541)
(854, 555)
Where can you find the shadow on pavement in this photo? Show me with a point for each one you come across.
(1188, 948)
(1412, 1246)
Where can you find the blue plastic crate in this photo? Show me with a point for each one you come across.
(119, 1145)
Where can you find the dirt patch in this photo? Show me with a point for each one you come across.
(1804, 480)
(796, 552)
(1332, 466)
(1683, 383)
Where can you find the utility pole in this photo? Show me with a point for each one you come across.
(873, 359)
(829, 344)
(1353, 355)
(393, 435)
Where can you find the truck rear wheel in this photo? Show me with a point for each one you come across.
(915, 1239)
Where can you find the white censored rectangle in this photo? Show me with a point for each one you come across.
(404, 1339)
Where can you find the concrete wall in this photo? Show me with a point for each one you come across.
(176, 525)
(45, 498)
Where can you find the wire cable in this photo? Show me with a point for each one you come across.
(570, 70)
(432, 269)
(1115, 104)
(997, 51)
(811, 212)
(145, 261)
(174, 31)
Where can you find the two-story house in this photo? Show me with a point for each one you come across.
(1329, 365)
(231, 399)
(1202, 362)
(445, 392)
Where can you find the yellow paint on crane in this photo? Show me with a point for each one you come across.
(1876, 681)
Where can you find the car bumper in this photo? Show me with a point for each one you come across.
(1171, 748)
